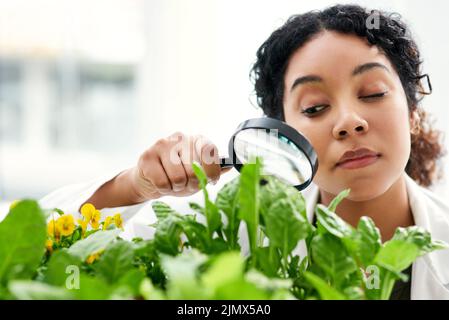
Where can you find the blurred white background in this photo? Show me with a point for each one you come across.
(87, 85)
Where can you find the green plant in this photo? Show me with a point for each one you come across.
(188, 259)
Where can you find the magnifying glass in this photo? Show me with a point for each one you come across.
(285, 153)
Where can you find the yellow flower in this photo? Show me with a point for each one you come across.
(118, 220)
(49, 245)
(95, 220)
(93, 257)
(13, 204)
(107, 222)
(53, 229)
(87, 210)
(83, 224)
(66, 224)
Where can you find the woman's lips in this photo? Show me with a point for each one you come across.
(359, 162)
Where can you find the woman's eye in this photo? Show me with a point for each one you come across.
(374, 96)
(314, 109)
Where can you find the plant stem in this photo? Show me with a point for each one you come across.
(387, 286)
(285, 256)
(261, 238)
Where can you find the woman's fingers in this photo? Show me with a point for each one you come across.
(188, 156)
(209, 159)
(166, 167)
(175, 171)
(152, 174)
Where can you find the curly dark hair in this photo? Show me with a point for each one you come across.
(391, 36)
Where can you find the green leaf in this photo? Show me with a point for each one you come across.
(149, 292)
(225, 279)
(196, 207)
(329, 253)
(132, 281)
(57, 268)
(213, 217)
(275, 189)
(196, 234)
(266, 283)
(182, 277)
(167, 238)
(217, 245)
(269, 260)
(332, 223)
(354, 293)
(336, 201)
(420, 237)
(76, 234)
(145, 249)
(147, 259)
(397, 255)
(296, 267)
(249, 201)
(226, 268)
(284, 226)
(200, 174)
(92, 288)
(116, 261)
(33, 290)
(369, 240)
(228, 202)
(162, 210)
(241, 290)
(93, 244)
(211, 211)
(22, 241)
(297, 200)
(324, 289)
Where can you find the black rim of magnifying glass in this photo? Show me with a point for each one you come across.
(283, 129)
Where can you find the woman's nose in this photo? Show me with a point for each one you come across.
(350, 124)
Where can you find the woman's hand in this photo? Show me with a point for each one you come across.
(166, 167)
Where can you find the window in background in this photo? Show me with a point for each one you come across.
(93, 105)
(67, 91)
(11, 105)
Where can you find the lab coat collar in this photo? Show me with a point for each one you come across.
(430, 273)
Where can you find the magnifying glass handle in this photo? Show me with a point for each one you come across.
(226, 162)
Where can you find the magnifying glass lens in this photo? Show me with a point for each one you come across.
(280, 156)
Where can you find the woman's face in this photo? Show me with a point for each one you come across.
(343, 95)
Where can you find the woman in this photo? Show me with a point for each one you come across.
(349, 80)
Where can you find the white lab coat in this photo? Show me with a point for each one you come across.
(430, 273)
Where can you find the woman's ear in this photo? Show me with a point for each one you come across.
(415, 120)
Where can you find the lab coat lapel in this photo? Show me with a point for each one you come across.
(430, 273)
(310, 195)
